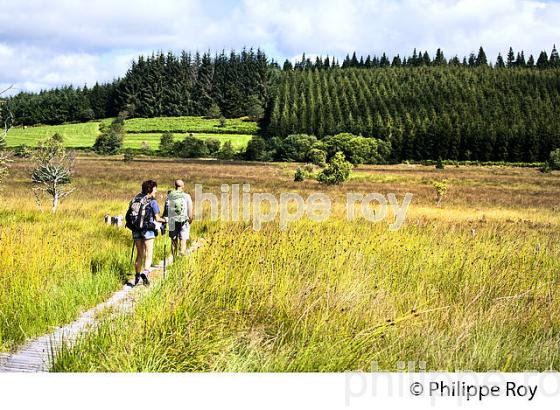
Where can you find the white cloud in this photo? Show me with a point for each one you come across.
(44, 44)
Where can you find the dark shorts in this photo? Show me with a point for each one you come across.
(182, 233)
(137, 235)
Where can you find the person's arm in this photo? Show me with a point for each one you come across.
(189, 208)
(156, 210)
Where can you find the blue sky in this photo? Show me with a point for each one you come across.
(48, 43)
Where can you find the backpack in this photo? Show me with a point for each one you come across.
(176, 209)
(139, 214)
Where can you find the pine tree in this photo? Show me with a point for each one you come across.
(510, 58)
(481, 59)
(554, 58)
(500, 61)
(542, 61)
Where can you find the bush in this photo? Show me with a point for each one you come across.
(214, 111)
(58, 138)
(128, 155)
(222, 121)
(439, 164)
(191, 147)
(337, 170)
(441, 190)
(358, 149)
(295, 147)
(308, 168)
(299, 175)
(23, 151)
(166, 142)
(227, 151)
(87, 114)
(213, 146)
(317, 157)
(256, 150)
(109, 143)
(554, 159)
(546, 168)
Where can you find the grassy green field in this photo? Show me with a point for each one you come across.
(138, 130)
(238, 141)
(191, 124)
(471, 285)
(75, 135)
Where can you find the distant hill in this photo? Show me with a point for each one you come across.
(425, 107)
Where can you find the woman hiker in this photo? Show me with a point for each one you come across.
(143, 219)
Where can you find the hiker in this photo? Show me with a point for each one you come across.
(143, 219)
(179, 211)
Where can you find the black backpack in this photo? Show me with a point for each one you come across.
(140, 213)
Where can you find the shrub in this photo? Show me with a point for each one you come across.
(441, 190)
(256, 150)
(23, 151)
(439, 164)
(87, 114)
(308, 168)
(358, 149)
(128, 155)
(554, 159)
(317, 157)
(299, 175)
(227, 151)
(191, 147)
(546, 168)
(110, 141)
(295, 147)
(213, 146)
(214, 111)
(222, 121)
(166, 142)
(58, 138)
(337, 170)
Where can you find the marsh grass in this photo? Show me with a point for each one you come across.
(472, 285)
(338, 296)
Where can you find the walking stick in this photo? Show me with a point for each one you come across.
(131, 258)
(164, 256)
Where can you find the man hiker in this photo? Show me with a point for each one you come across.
(179, 211)
(143, 219)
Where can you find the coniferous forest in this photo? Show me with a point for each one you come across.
(426, 107)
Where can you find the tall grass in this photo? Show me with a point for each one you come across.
(470, 285)
(340, 296)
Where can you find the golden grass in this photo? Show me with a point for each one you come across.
(470, 285)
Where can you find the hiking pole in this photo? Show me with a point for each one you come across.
(163, 231)
(164, 256)
(131, 257)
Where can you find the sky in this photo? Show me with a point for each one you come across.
(44, 44)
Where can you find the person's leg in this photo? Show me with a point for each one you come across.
(139, 255)
(148, 253)
(174, 246)
(184, 237)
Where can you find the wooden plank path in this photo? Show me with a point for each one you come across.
(37, 355)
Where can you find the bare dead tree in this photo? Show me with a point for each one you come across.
(52, 173)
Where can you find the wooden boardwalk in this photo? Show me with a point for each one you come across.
(36, 355)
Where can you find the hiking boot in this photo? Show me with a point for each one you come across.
(144, 276)
(136, 281)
